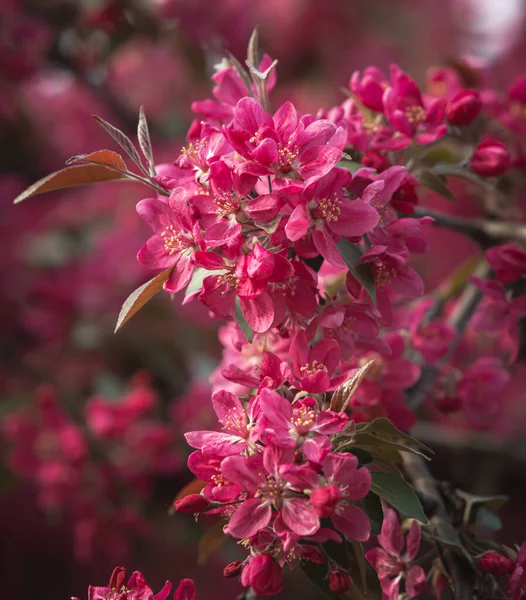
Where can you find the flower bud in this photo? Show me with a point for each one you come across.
(264, 575)
(375, 160)
(491, 158)
(233, 569)
(339, 582)
(496, 564)
(193, 503)
(117, 579)
(464, 108)
(508, 261)
(448, 404)
(325, 499)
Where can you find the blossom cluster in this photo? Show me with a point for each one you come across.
(81, 469)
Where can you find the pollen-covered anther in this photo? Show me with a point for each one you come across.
(415, 114)
(329, 208)
(227, 204)
(220, 480)
(229, 280)
(384, 276)
(303, 418)
(286, 156)
(234, 421)
(313, 367)
(174, 241)
(193, 150)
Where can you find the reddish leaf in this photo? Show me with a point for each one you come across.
(70, 177)
(137, 299)
(123, 140)
(101, 157)
(194, 487)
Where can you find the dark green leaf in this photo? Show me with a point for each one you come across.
(318, 576)
(373, 507)
(384, 427)
(351, 254)
(364, 457)
(396, 492)
(436, 183)
(242, 322)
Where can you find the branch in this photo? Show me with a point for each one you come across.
(483, 231)
(466, 305)
(424, 483)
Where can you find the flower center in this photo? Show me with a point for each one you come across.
(303, 419)
(384, 276)
(193, 152)
(174, 241)
(229, 280)
(235, 421)
(329, 208)
(415, 114)
(219, 480)
(286, 156)
(270, 490)
(313, 367)
(227, 204)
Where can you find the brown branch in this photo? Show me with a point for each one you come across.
(439, 521)
(483, 231)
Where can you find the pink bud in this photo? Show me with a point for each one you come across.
(491, 158)
(339, 582)
(375, 160)
(464, 108)
(264, 575)
(193, 503)
(496, 564)
(233, 569)
(117, 579)
(185, 590)
(325, 500)
(508, 261)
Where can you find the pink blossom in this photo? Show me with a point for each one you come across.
(508, 261)
(490, 159)
(392, 562)
(263, 574)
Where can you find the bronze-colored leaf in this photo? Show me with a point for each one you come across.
(123, 140)
(100, 157)
(137, 299)
(193, 487)
(211, 541)
(70, 177)
(341, 397)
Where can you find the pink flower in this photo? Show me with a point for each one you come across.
(369, 88)
(283, 143)
(517, 580)
(405, 110)
(263, 479)
(508, 261)
(392, 563)
(312, 369)
(175, 239)
(327, 214)
(237, 427)
(207, 467)
(490, 159)
(135, 589)
(464, 108)
(345, 483)
(263, 573)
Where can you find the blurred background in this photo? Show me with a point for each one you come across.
(92, 453)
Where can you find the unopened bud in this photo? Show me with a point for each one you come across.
(117, 579)
(233, 569)
(339, 582)
(193, 503)
(464, 108)
(490, 159)
(495, 563)
(325, 499)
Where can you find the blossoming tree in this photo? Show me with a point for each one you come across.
(297, 231)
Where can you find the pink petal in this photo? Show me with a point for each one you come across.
(298, 224)
(251, 516)
(412, 541)
(185, 590)
(391, 537)
(258, 311)
(240, 470)
(215, 442)
(229, 412)
(180, 275)
(415, 581)
(299, 516)
(356, 218)
(353, 523)
(317, 161)
(326, 246)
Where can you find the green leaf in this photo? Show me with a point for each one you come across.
(384, 427)
(373, 507)
(196, 283)
(364, 457)
(318, 576)
(473, 504)
(396, 492)
(350, 165)
(436, 183)
(242, 322)
(351, 254)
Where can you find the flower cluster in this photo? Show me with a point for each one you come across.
(81, 471)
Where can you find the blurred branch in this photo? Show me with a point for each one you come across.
(483, 231)
(439, 520)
